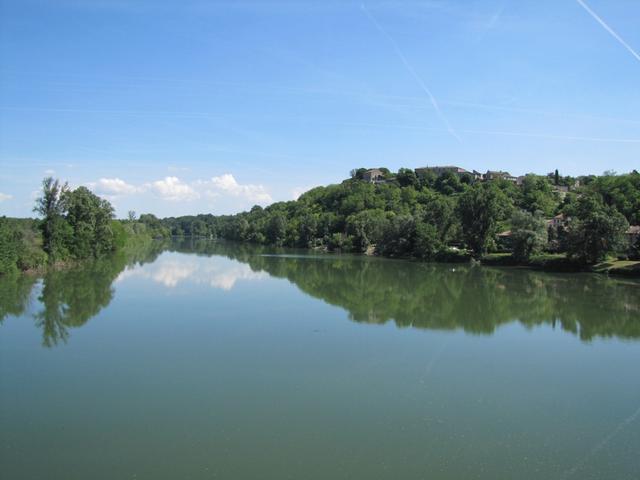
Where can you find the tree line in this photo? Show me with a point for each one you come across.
(73, 225)
(410, 294)
(448, 217)
(444, 217)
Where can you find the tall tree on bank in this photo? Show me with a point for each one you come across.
(89, 217)
(55, 230)
(480, 209)
(75, 224)
(596, 230)
(529, 234)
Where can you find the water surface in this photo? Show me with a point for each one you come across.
(213, 360)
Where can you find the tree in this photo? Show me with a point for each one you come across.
(366, 228)
(449, 183)
(131, 216)
(407, 177)
(89, 217)
(537, 195)
(439, 211)
(480, 209)
(277, 228)
(398, 238)
(358, 173)
(427, 241)
(55, 230)
(529, 234)
(9, 245)
(596, 230)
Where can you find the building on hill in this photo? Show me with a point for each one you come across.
(633, 234)
(374, 175)
(498, 175)
(561, 190)
(558, 221)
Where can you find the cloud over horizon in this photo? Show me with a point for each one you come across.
(223, 192)
(113, 187)
(173, 189)
(227, 183)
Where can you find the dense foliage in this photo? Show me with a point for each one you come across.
(74, 225)
(446, 217)
(441, 217)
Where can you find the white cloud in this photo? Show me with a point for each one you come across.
(227, 184)
(216, 272)
(171, 188)
(49, 171)
(5, 196)
(114, 187)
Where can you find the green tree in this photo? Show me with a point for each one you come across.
(90, 219)
(537, 195)
(56, 232)
(366, 228)
(277, 228)
(596, 230)
(529, 234)
(407, 178)
(9, 246)
(449, 183)
(480, 209)
(399, 236)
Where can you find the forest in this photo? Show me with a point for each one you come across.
(73, 226)
(446, 217)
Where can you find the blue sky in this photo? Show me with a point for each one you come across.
(196, 107)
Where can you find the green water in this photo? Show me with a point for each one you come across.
(210, 360)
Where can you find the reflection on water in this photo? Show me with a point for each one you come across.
(372, 290)
(69, 298)
(216, 272)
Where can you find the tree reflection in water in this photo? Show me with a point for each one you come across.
(70, 297)
(447, 296)
(427, 296)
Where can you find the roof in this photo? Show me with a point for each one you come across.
(442, 167)
(633, 230)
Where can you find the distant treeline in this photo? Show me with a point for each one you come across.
(422, 295)
(74, 225)
(444, 217)
(410, 294)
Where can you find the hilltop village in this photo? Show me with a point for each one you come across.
(448, 213)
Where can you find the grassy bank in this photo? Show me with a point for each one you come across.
(560, 263)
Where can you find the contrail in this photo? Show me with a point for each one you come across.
(411, 70)
(608, 29)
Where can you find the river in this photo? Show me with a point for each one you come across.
(202, 359)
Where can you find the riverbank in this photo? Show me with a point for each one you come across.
(560, 263)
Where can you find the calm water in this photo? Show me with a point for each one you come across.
(214, 360)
